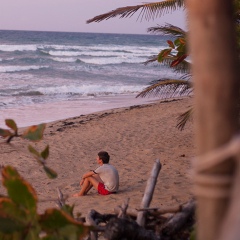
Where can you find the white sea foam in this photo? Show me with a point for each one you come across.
(5, 69)
(119, 60)
(59, 59)
(65, 53)
(102, 48)
(106, 51)
(9, 59)
(130, 49)
(60, 47)
(12, 48)
(91, 90)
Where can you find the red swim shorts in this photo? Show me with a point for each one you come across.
(102, 190)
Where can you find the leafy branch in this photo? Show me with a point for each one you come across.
(20, 220)
(33, 133)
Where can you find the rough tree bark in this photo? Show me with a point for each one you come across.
(216, 86)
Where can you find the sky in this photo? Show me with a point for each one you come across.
(71, 16)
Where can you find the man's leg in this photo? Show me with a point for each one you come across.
(88, 188)
(96, 179)
(87, 185)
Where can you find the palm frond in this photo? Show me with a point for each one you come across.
(183, 67)
(148, 10)
(167, 88)
(151, 59)
(184, 118)
(168, 29)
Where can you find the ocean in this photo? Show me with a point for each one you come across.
(48, 76)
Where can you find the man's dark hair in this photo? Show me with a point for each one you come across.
(104, 156)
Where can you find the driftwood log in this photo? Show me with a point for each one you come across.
(127, 228)
(119, 228)
(132, 212)
(180, 219)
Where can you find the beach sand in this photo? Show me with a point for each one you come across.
(134, 137)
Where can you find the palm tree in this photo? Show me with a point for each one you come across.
(167, 88)
(174, 56)
(148, 10)
(170, 88)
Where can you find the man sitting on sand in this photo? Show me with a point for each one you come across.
(105, 178)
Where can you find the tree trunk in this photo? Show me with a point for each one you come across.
(216, 85)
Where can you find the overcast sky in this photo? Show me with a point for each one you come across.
(71, 16)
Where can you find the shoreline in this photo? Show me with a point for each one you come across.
(134, 136)
(38, 113)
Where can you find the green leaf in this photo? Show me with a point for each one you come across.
(50, 173)
(181, 49)
(12, 210)
(33, 151)
(32, 234)
(36, 154)
(177, 42)
(19, 190)
(51, 237)
(12, 218)
(164, 53)
(5, 133)
(11, 124)
(68, 209)
(71, 232)
(45, 152)
(54, 219)
(8, 225)
(34, 133)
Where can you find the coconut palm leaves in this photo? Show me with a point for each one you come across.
(175, 56)
(147, 11)
(168, 29)
(182, 68)
(184, 118)
(171, 88)
(167, 88)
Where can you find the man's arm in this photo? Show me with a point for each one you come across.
(86, 175)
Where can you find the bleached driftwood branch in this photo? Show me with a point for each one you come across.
(147, 197)
(60, 201)
(132, 212)
(123, 209)
(162, 210)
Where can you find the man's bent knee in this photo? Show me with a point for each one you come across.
(93, 181)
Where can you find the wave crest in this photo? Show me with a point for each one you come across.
(9, 69)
